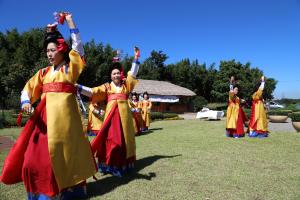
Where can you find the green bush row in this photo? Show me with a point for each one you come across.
(160, 116)
(217, 106)
(295, 116)
(295, 107)
(280, 112)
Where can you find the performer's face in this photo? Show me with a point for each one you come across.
(235, 90)
(116, 76)
(55, 57)
(134, 97)
(145, 96)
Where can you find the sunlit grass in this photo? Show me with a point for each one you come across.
(190, 159)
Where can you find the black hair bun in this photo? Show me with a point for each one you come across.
(51, 37)
(116, 65)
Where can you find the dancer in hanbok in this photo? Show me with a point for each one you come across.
(52, 155)
(134, 105)
(146, 105)
(114, 144)
(235, 116)
(258, 126)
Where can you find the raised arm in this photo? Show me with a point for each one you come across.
(76, 39)
(231, 84)
(136, 64)
(262, 83)
(131, 80)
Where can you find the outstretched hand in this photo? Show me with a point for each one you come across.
(137, 53)
(67, 15)
(231, 79)
(62, 16)
(27, 108)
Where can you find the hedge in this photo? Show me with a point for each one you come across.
(161, 116)
(280, 112)
(217, 106)
(295, 116)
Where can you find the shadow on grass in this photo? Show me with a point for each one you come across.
(108, 184)
(151, 130)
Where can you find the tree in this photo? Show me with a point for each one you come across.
(22, 55)
(153, 67)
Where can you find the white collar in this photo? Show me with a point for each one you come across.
(118, 87)
(54, 71)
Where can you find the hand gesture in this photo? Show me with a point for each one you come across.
(232, 80)
(67, 15)
(137, 53)
(27, 108)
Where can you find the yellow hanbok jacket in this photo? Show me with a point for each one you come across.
(232, 111)
(258, 121)
(101, 93)
(69, 148)
(94, 122)
(139, 121)
(146, 108)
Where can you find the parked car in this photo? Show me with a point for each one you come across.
(274, 105)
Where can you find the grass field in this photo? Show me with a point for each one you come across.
(190, 159)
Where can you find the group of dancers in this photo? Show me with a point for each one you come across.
(141, 113)
(236, 117)
(53, 156)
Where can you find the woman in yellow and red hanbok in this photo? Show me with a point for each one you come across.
(114, 145)
(134, 105)
(235, 116)
(258, 126)
(52, 155)
(95, 118)
(146, 111)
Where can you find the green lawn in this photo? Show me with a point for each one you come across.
(190, 159)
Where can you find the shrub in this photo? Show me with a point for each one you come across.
(280, 112)
(199, 102)
(156, 115)
(217, 106)
(295, 116)
(293, 107)
(169, 115)
(161, 116)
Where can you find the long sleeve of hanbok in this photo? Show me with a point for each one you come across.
(231, 94)
(77, 63)
(258, 94)
(99, 93)
(33, 89)
(131, 80)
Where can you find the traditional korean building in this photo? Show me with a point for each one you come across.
(165, 96)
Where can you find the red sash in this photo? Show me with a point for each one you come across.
(119, 96)
(59, 87)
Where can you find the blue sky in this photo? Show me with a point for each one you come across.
(265, 33)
